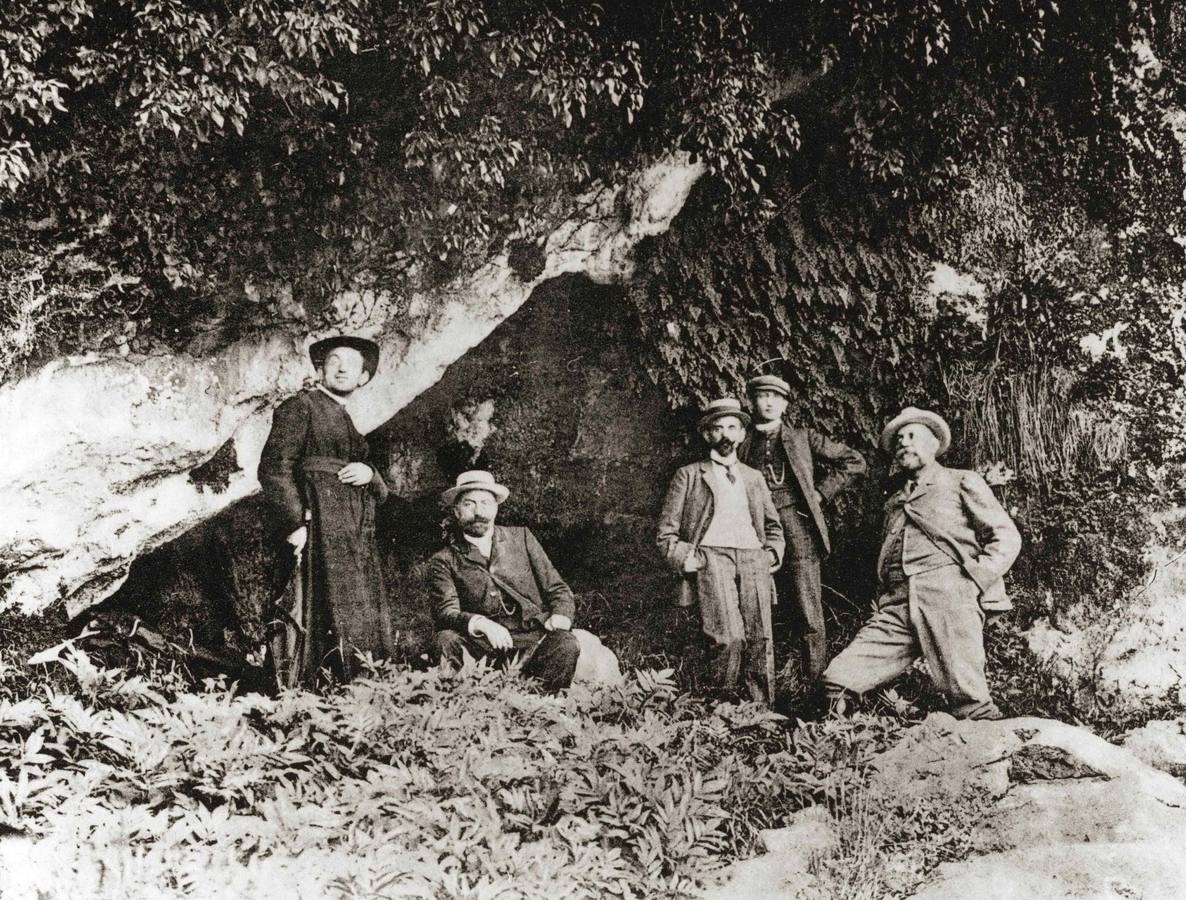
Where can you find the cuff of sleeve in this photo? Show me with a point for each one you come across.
(473, 620)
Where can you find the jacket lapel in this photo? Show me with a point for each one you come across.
(494, 545)
(798, 464)
(924, 483)
(710, 501)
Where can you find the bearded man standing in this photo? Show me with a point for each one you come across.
(787, 457)
(946, 546)
(495, 593)
(322, 492)
(719, 530)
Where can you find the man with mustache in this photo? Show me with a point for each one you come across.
(787, 456)
(495, 593)
(946, 546)
(322, 490)
(719, 530)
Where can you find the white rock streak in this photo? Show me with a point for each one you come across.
(97, 451)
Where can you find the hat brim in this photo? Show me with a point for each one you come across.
(933, 421)
(319, 350)
(758, 384)
(450, 495)
(711, 417)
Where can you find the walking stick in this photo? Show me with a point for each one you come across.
(289, 635)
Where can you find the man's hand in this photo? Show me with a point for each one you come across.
(357, 473)
(298, 540)
(692, 563)
(774, 562)
(557, 622)
(499, 637)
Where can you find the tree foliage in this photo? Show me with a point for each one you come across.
(184, 149)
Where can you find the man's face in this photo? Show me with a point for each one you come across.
(724, 434)
(343, 371)
(769, 405)
(475, 512)
(915, 447)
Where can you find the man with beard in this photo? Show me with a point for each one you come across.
(787, 457)
(322, 493)
(946, 546)
(494, 591)
(720, 531)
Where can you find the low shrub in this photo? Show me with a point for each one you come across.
(404, 783)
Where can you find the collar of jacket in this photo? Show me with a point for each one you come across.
(925, 479)
(341, 401)
(466, 550)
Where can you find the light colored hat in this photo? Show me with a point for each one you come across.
(474, 480)
(718, 409)
(768, 383)
(914, 415)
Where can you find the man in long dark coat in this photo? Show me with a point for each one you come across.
(494, 591)
(322, 492)
(788, 456)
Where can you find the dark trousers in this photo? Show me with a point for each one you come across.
(550, 656)
(799, 588)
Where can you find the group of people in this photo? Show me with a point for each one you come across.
(742, 529)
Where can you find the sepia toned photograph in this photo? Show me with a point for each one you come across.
(564, 450)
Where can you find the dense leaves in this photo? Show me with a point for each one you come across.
(216, 160)
(409, 784)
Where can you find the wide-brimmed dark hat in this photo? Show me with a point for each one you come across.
(319, 350)
(912, 415)
(768, 383)
(718, 409)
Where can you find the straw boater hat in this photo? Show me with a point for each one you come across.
(768, 383)
(718, 409)
(369, 350)
(474, 480)
(914, 415)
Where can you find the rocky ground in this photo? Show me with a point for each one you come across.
(1052, 811)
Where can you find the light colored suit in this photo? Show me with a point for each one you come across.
(732, 588)
(956, 544)
(687, 512)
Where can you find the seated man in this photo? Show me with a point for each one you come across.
(495, 592)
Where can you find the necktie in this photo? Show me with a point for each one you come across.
(728, 472)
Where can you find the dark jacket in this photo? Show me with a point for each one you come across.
(308, 426)
(461, 584)
(804, 447)
(688, 509)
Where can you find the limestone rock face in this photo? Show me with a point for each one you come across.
(1137, 657)
(106, 457)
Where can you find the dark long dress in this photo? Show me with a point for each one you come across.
(340, 602)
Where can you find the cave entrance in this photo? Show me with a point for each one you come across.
(555, 402)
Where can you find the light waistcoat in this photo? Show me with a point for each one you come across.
(732, 524)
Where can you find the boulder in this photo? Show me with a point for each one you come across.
(1162, 744)
(784, 869)
(1078, 817)
(1033, 808)
(108, 456)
